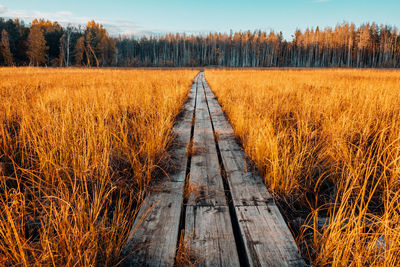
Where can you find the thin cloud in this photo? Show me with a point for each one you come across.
(62, 16)
(65, 17)
(3, 9)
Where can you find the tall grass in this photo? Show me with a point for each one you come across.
(328, 145)
(77, 150)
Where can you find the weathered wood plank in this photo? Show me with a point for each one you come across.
(223, 129)
(153, 238)
(208, 225)
(210, 236)
(268, 241)
(247, 188)
(154, 235)
(206, 184)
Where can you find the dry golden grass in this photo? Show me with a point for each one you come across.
(186, 255)
(77, 149)
(328, 144)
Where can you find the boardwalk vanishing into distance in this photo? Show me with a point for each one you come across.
(214, 205)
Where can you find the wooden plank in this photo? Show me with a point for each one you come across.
(208, 226)
(247, 188)
(205, 176)
(153, 238)
(154, 235)
(267, 239)
(211, 240)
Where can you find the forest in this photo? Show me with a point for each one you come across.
(46, 43)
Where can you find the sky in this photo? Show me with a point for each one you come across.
(195, 17)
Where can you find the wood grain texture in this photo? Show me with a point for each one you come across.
(208, 225)
(268, 240)
(153, 238)
(247, 188)
(215, 230)
(210, 236)
(205, 174)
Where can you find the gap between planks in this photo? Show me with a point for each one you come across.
(268, 240)
(229, 218)
(154, 235)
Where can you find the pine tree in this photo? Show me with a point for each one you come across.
(5, 49)
(36, 46)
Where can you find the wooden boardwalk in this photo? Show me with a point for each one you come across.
(214, 204)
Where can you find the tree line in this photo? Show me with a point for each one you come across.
(46, 43)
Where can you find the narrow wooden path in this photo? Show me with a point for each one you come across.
(214, 204)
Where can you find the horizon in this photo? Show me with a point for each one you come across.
(182, 133)
(158, 18)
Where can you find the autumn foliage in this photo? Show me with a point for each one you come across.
(345, 45)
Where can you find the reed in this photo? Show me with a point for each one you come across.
(78, 148)
(327, 143)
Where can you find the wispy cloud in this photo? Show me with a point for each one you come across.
(62, 16)
(65, 17)
(3, 9)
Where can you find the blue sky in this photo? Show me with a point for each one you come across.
(158, 16)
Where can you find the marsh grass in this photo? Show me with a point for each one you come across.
(328, 145)
(185, 254)
(78, 148)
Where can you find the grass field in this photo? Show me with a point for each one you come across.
(327, 143)
(77, 148)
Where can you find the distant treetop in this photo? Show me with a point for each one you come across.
(369, 45)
